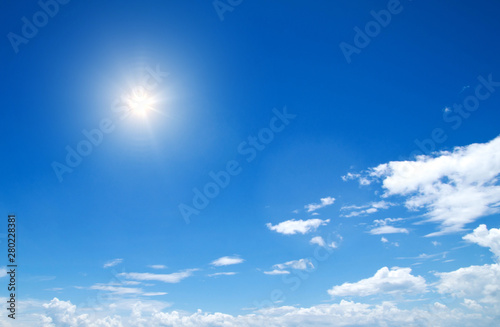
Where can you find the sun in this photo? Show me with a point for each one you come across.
(140, 101)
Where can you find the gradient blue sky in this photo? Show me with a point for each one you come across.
(224, 79)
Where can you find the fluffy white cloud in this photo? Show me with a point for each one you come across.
(226, 261)
(324, 202)
(487, 238)
(385, 280)
(455, 188)
(474, 282)
(471, 304)
(112, 263)
(166, 278)
(63, 313)
(344, 313)
(290, 227)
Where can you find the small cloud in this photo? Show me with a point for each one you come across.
(447, 109)
(324, 202)
(388, 230)
(318, 240)
(277, 272)
(154, 293)
(222, 274)
(157, 266)
(291, 227)
(366, 209)
(301, 264)
(226, 261)
(384, 240)
(3, 272)
(321, 242)
(166, 278)
(435, 243)
(295, 211)
(112, 263)
(116, 289)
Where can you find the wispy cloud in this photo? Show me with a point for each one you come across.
(277, 272)
(301, 264)
(293, 226)
(366, 209)
(154, 293)
(166, 278)
(112, 263)
(116, 289)
(157, 266)
(230, 273)
(324, 202)
(384, 228)
(226, 261)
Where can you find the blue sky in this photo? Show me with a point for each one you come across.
(362, 181)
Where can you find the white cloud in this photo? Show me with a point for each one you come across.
(324, 202)
(454, 188)
(166, 278)
(321, 242)
(435, 243)
(384, 240)
(154, 293)
(301, 264)
(290, 227)
(366, 209)
(112, 263)
(230, 273)
(277, 272)
(318, 240)
(471, 304)
(116, 289)
(388, 230)
(157, 266)
(486, 238)
(344, 313)
(395, 280)
(474, 282)
(3, 272)
(226, 261)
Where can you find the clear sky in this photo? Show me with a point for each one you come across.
(251, 163)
